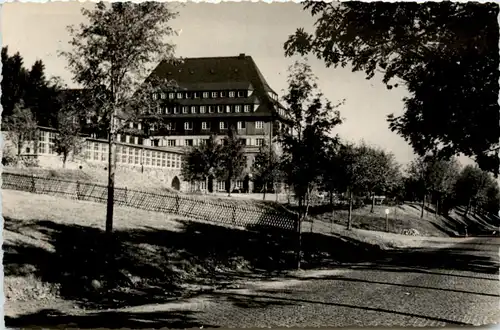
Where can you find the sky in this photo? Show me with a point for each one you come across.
(38, 31)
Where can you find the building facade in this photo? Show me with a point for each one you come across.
(215, 94)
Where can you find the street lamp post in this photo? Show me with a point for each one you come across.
(387, 220)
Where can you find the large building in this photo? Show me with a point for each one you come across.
(212, 95)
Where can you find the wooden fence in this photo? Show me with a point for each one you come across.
(196, 207)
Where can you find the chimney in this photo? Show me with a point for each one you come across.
(242, 55)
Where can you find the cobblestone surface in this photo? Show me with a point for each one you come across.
(368, 297)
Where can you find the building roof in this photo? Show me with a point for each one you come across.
(218, 73)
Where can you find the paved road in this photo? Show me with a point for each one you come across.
(397, 292)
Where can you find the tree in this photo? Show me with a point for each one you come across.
(232, 161)
(471, 187)
(441, 181)
(21, 127)
(68, 140)
(305, 145)
(109, 58)
(266, 167)
(14, 79)
(203, 161)
(418, 171)
(446, 55)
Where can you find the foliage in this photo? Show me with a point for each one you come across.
(445, 54)
(202, 161)
(29, 86)
(232, 161)
(266, 167)
(68, 139)
(21, 127)
(472, 187)
(305, 146)
(110, 55)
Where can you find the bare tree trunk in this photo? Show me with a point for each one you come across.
(373, 203)
(299, 234)
(423, 207)
(468, 207)
(437, 207)
(65, 157)
(111, 181)
(229, 190)
(349, 215)
(331, 197)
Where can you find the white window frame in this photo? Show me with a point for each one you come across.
(204, 125)
(232, 94)
(214, 95)
(211, 109)
(237, 108)
(203, 109)
(222, 125)
(185, 109)
(176, 109)
(206, 95)
(259, 125)
(220, 109)
(155, 96)
(228, 108)
(163, 96)
(179, 95)
(171, 142)
(193, 109)
(196, 95)
(259, 142)
(171, 96)
(246, 108)
(188, 126)
(240, 125)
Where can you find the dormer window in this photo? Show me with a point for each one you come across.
(214, 95)
(193, 109)
(196, 95)
(219, 109)
(237, 108)
(176, 109)
(179, 95)
(168, 110)
(228, 108)
(211, 108)
(241, 93)
(184, 109)
(232, 94)
(171, 96)
(163, 96)
(205, 95)
(188, 95)
(222, 94)
(203, 109)
(246, 108)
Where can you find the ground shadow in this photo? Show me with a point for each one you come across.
(111, 320)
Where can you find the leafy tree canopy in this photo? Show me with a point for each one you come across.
(445, 53)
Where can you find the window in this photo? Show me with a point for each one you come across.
(196, 95)
(163, 96)
(188, 125)
(220, 109)
(171, 95)
(259, 124)
(155, 96)
(131, 125)
(205, 95)
(124, 154)
(188, 142)
(259, 142)
(155, 143)
(148, 157)
(228, 108)
(136, 156)
(211, 108)
(247, 108)
(204, 125)
(130, 156)
(140, 141)
(241, 125)
(193, 109)
(202, 109)
(241, 94)
(123, 138)
(176, 109)
(189, 95)
(214, 95)
(171, 143)
(179, 95)
(232, 94)
(222, 94)
(243, 143)
(163, 163)
(184, 109)
(168, 110)
(237, 108)
(223, 125)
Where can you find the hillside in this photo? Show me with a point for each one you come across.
(97, 174)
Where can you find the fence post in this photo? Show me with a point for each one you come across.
(78, 190)
(234, 214)
(177, 204)
(33, 184)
